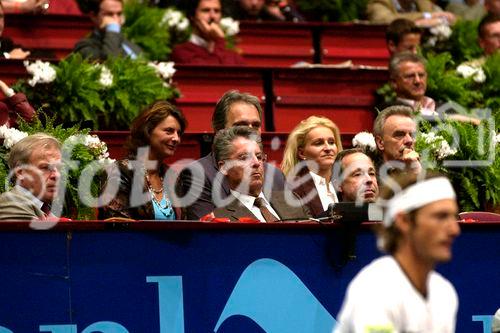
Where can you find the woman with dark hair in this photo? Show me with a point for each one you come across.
(143, 193)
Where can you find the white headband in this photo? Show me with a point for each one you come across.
(418, 195)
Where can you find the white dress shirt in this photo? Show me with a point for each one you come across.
(326, 191)
(248, 201)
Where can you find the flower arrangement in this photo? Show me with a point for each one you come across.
(231, 28)
(439, 33)
(87, 154)
(469, 155)
(102, 96)
(155, 30)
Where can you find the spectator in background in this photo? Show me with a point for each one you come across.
(239, 155)
(262, 10)
(198, 182)
(35, 161)
(401, 291)
(492, 6)
(206, 45)
(7, 48)
(423, 12)
(357, 177)
(308, 162)
(408, 78)
(14, 105)
(468, 10)
(106, 40)
(489, 34)
(27, 6)
(403, 35)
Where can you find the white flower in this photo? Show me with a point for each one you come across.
(41, 71)
(99, 148)
(175, 19)
(106, 78)
(438, 145)
(183, 24)
(364, 140)
(164, 70)
(230, 26)
(431, 41)
(473, 70)
(11, 136)
(442, 31)
(479, 76)
(466, 70)
(444, 150)
(495, 137)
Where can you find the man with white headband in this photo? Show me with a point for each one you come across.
(401, 292)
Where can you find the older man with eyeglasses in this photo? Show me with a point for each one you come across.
(239, 156)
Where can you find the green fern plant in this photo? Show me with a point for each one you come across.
(78, 94)
(477, 176)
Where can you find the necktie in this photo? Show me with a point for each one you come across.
(46, 209)
(268, 216)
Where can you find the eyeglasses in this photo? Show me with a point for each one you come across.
(248, 157)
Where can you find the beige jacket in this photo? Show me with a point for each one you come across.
(384, 11)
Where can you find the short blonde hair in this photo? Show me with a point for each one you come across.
(21, 152)
(297, 139)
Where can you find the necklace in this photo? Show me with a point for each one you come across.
(150, 187)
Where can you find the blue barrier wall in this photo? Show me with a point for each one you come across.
(190, 277)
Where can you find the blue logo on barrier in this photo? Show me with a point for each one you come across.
(268, 290)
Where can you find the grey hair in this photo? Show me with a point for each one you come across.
(219, 117)
(223, 142)
(21, 152)
(402, 110)
(401, 57)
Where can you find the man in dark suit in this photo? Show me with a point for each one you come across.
(106, 40)
(198, 187)
(239, 156)
(35, 161)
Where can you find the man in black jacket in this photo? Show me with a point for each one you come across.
(106, 39)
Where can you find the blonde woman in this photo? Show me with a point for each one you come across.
(309, 155)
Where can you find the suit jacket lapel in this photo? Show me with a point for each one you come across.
(237, 210)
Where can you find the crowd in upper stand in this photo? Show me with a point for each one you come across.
(235, 181)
